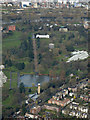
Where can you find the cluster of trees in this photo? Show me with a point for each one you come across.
(18, 96)
(65, 43)
(10, 63)
(24, 50)
(22, 88)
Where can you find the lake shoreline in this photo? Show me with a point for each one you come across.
(29, 79)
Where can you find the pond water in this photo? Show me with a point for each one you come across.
(28, 80)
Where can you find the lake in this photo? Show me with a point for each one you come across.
(28, 80)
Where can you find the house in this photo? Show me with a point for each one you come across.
(25, 4)
(86, 24)
(79, 108)
(51, 45)
(81, 96)
(85, 110)
(70, 114)
(75, 107)
(65, 91)
(71, 75)
(42, 36)
(11, 28)
(71, 106)
(30, 116)
(85, 97)
(69, 88)
(75, 103)
(26, 101)
(35, 5)
(21, 117)
(5, 31)
(73, 113)
(50, 101)
(60, 97)
(63, 29)
(64, 112)
(35, 110)
(51, 108)
(51, 26)
(34, 98)
(85, 84)
(53, 101)
(18, 112)
(71, 94)
(1, 28)
(54, 97)
(78, 114)
(72, 99)
(64, 102)
(58, 102)
(9, 4)
(31, 95)
(74, 89)
(84, 115)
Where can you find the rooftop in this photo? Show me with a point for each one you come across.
(78, 55)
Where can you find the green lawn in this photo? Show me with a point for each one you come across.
(9, 100)
(14, 80)
(12, 40)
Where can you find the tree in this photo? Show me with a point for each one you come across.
(23, 109)
(40, 58)
(30, 49)
(29, 90)
(20, 66)
(62, 75)
(8, 63)
(24, 45)
(70, 48)
(38, 42)
(22, 88)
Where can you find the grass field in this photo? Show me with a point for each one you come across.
(9, 100)
(12, 41)
(14, 79)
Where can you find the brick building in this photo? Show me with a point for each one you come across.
(12, 28)
(35, 110)
(51, 108)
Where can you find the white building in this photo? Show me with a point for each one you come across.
(3, 78)
(71, 94)
(78, 55)
(51, 45)
(70, 1)
(31, 116)
(25, 4)
(42, 36)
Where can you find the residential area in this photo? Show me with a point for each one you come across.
(67, 101)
